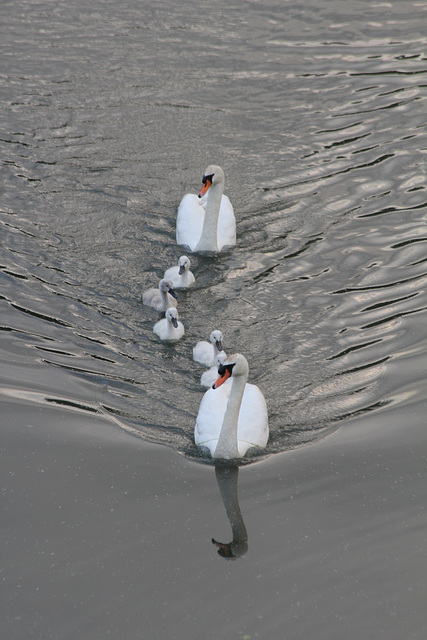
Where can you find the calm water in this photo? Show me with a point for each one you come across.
(317, 113)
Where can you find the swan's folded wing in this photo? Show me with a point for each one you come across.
(172, 274)
(189, 221)
(209, 419)
(161, 328)
(226, 224)
(253, 417)
(151, 296)
(203, 352)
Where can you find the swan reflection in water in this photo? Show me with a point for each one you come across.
(226, 477)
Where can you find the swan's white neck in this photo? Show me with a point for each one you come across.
(165, 301)
(209, 237)
(227, 446)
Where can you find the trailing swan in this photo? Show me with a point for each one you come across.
(161, 298)
(229, 424)
(180, 276)
(169, 328)
(206, 352)
(207, 225)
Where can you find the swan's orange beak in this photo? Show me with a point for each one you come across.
(206, 184)
(222, 378)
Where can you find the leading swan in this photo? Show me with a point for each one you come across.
(207, 224)
(230, 422)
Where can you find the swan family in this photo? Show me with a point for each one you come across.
(232, 416)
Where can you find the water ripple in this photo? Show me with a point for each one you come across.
(320, 127)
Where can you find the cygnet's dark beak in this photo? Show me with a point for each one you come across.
(172, 292)
(174, 322)
(218, 345)
(181, 269)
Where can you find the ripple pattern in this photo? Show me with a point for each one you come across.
(319, 122)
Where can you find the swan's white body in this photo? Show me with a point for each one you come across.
(161, 298)
(169, 328)
(180, 276)
(206, 352)
(208, 223)
(230, 423)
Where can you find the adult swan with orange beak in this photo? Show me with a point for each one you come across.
(232, 420)
(206, 222)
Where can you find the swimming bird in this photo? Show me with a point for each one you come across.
(228, 424)
(180, 276)
(205, 352)
(161, 298)
(169, 328)
(206, 222)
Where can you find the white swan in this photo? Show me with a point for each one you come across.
(229, 424)
(169, 328)
(161, 298)
(180, 276)
(210, 376)
(206, 352)
(210, 225)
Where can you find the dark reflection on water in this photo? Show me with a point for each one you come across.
(318, 118)
(227, 477)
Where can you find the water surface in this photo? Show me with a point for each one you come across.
(317, 115)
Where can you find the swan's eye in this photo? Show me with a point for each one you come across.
(225, 367)
(206, 179)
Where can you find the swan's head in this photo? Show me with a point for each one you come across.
(216, 339)
(213, 175)
(183, 264)
(166, 285)
(172, 315)
(234, 365)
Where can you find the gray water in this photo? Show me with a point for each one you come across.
(317, 113)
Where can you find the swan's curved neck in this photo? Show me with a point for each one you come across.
(164, 297)
(209, 237)
(227, 442)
